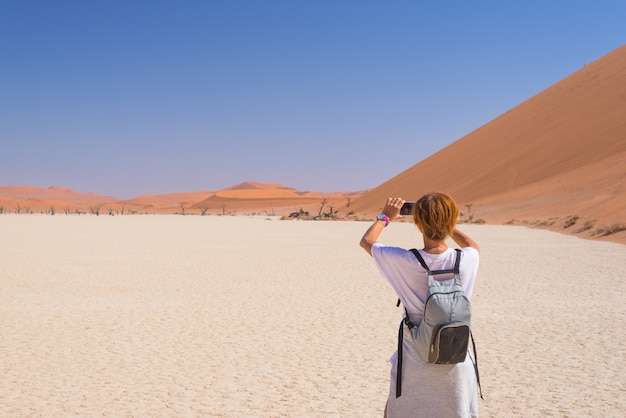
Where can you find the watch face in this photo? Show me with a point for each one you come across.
(381, 217)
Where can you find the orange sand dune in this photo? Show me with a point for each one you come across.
(169, 200)
(245, 198)
(335, 195)
(247, 185)
(257, 194)
(52, 193)
(557, 155)
(255, 190)
(7, 204)
(29, 199)
(275, 199)
(269, 204)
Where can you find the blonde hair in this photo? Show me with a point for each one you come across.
(436, 213)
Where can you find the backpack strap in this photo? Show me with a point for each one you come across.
(420, 259)
(480, 389)
(406, 320)
(457, 262)
(399, 361)
(455, 270)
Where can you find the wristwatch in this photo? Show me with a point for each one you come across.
(383, 217)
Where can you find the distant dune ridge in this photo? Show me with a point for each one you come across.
(244, 198)
(557, 160)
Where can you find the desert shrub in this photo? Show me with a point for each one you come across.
(609, 229)
(480, 221)
(570, 221)
(587, 226)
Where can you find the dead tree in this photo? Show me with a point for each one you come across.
(322, 208)
(300, 214)
(182, 207)
(470, 214)
(203, 209)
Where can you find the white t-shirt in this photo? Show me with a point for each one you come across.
(408, 278)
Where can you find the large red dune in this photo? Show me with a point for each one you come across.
(558, 160)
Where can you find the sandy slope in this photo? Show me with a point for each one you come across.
(558, 154)
(244, 316)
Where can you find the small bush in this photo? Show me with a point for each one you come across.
(587, 226)
(609, 229)
(570, 221)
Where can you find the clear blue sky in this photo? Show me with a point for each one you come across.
(139, 97)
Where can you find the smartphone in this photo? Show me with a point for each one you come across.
(407, 208)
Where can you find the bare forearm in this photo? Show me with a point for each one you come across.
(391, 210)
(371, 236)
(463, 240)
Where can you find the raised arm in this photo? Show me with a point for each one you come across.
(391, 209)
(463, 240)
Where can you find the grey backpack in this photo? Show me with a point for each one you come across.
(443, 335)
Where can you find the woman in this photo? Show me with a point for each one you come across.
(428, 390)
